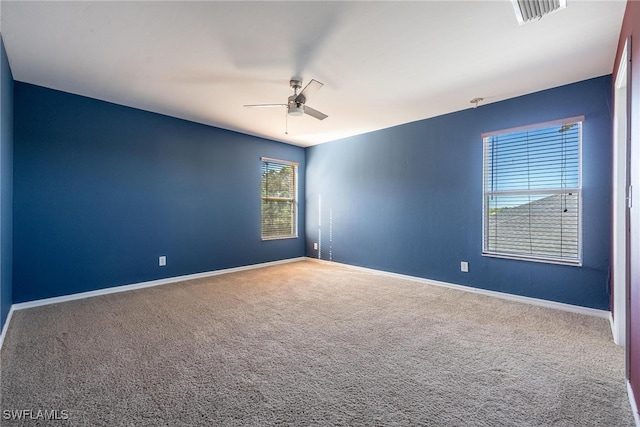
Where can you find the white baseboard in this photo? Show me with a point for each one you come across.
(141, 285)
(123, 288)
(634, 407)
(6, 326)
(510, 297)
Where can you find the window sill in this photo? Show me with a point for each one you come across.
(266, 239)
(533, 259)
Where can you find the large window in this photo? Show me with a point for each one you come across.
(533, 192)
(279, 199)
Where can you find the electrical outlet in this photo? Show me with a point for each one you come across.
(162, 261)
(315, 246)
(464, 266)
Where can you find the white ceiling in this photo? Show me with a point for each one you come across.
(382, 63)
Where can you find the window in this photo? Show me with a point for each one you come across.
(533, 192)
(279, 199)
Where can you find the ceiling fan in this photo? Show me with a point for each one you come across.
(296, 103)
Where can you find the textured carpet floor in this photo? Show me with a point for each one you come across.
(311, 344)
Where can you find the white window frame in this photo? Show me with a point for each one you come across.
(294, 199)
(486, 193)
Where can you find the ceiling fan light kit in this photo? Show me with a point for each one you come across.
(296, 110)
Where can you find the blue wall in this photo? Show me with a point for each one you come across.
(408, 199)
(101, 191)
(6, 184)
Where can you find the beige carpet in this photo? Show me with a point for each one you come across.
(311, 344)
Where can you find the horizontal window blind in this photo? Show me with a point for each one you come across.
(532, 193)
(279, 204)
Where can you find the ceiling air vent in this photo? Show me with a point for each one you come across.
(527, 10)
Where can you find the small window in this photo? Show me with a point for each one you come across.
(279, 199)
(533, 192)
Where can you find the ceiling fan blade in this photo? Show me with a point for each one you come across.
(309, 90)
(314, 113)
(264, 105)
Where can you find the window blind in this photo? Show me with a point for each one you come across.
(532, 193)
(279, 204)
